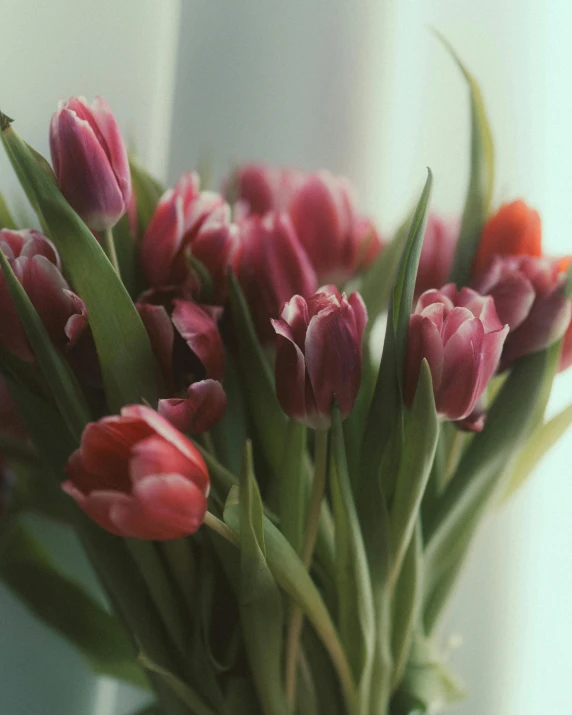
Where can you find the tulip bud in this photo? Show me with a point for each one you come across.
(35, 262)
(566, 355)
(461, 337)
(529, 297)
(318, 355)
(437, 254)
(90, 161)
(187, 219)
(514, 230)
(184, 337)
(138, 477)
(323, 211)
(271, 267)
(203, 407)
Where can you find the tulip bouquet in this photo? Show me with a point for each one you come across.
(276, 506)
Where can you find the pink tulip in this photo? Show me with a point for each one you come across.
(90, 161)
(138, 477)
(461, 337)
(271, 267)
(35, 262)
(529, 297)
(184, 336)
(187, 220)
(437, 254)
(323, 211)
(566, 356)
(318, 355)
(264, 188)
(203, 407)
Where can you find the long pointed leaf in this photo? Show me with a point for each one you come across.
(6, 220)
(129, 368)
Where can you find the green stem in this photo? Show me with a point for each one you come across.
(221, 528)
(109, 247)
(314, 509)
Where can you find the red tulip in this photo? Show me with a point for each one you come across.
(323, 211)
(437, 254)
(137, 476)
(203, 407)
(90, 161)
(318, 355)
(35, 262)
(529, 297)
(184, 337)
(187, 219)
(461, 337)
(271, 266)
(514, 230)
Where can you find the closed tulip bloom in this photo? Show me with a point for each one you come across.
(188, 220)
(437, 254)
(461, 337)
(566, 356)
(318, 355)
(35, 262)
(263, 188)
(271, 267)
(139, 477)
(199, 411)
(324, 213)
(529, 297)
(90, 161)
(514, 230)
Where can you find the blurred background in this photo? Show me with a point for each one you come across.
(361, 87)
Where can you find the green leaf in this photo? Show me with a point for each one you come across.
(355, 602)
(27, 570)
(291, 575)
(428, 685)
(481, 178)
(257, 382)
(293, 486)
(477, 478)
(60, 378)
(182, 690)
(260, 602)
(421, 436)
(543, 439)
(127, 257)
(6, 220)
(407, 605)
(376, 285)
(384, 423)
(129, 368)
(147, 192)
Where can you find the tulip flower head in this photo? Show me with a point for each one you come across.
(36, 264)
(90, 161)
(514, 230)
(461, 337)
(271, 267)
(137, 476)
(318, 355)
(264, 188)
(199, 411)
(529, 296)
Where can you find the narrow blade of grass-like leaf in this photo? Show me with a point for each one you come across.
(147, 192)
(481, 178)
(6, 220)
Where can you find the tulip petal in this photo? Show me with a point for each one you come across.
(458, 392)
(290, 370)
(161, 334)
(200, 332)
(156, 455)
(360, 313)
(424, 341)
(203, 408)
(114, 145)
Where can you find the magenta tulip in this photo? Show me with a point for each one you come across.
(529, 297)
(187, 220)
(437, 254)
(271, 267)
(461, 337)
(263, 188)
(90, 161)
(137, 476)
(199, 411)
(35, 262)
(185, 338)
(318, 355)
